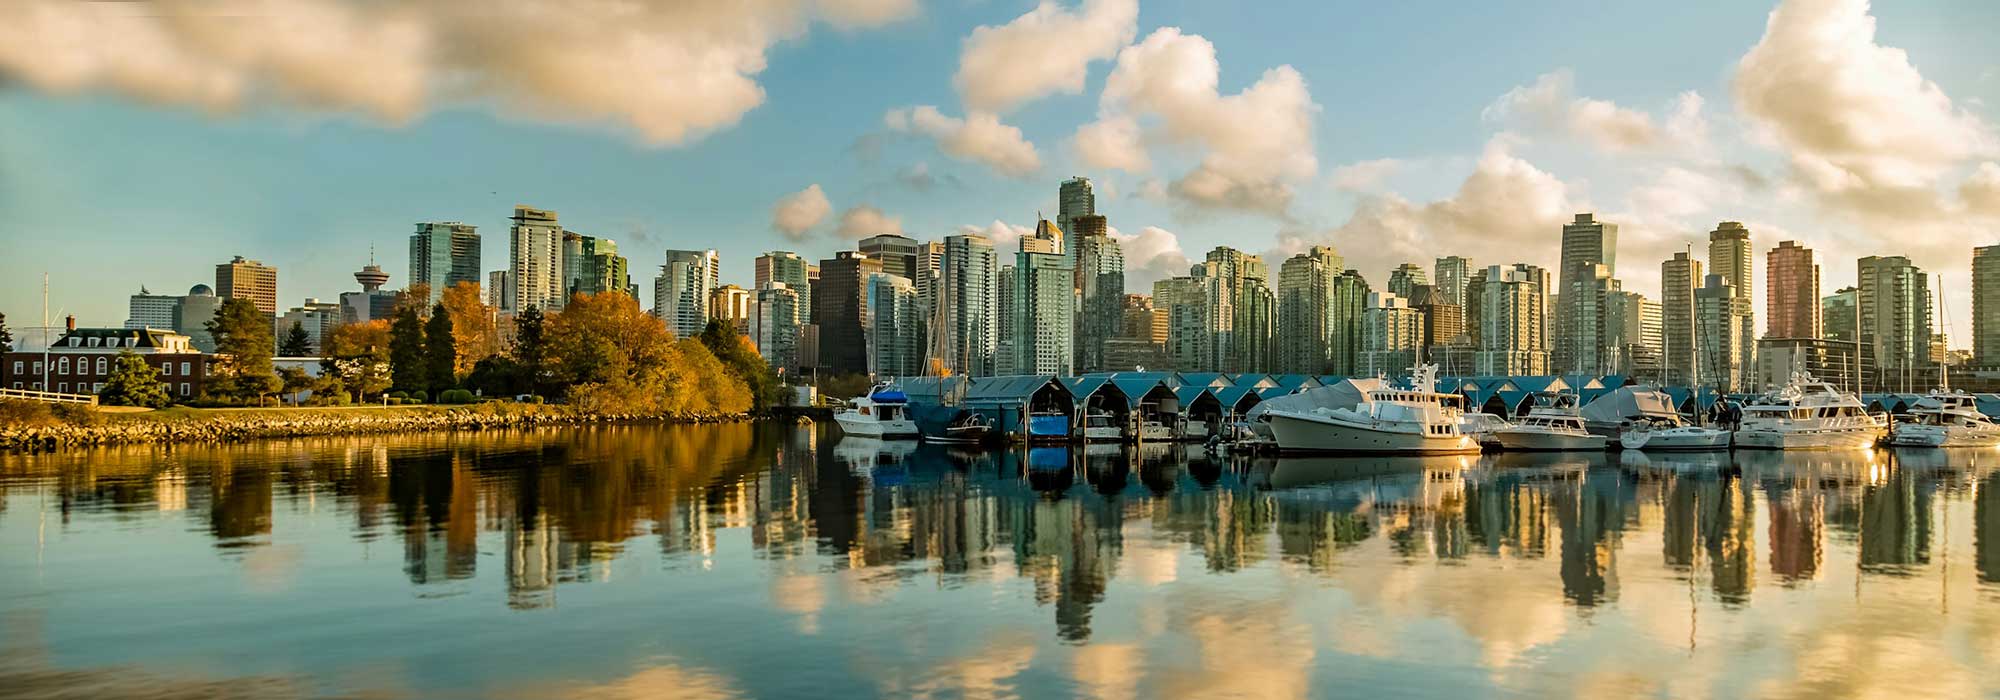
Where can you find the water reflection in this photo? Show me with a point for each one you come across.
(1113, 552)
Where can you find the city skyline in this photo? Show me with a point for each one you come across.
(1529, 140)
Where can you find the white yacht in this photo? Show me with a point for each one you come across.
(1097, 427)
(883, 413)
(1808, 414)
(1554, 424)
(1945, 419)
(1661, 437)
(1481, 426)
(1379, 420)
(1155, 431)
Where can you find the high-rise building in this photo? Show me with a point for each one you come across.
(1451, 274)
(1075, 198)
(1895, 305)
(1003, 320)
(1347, 300)
(1589, 264)
(967, 279)
(1513, 331)
(442, 254)
(1986, 306)
(795, 272)
(930, 268)
(731, 304)
(372, 302)
(1391, 332)
(1100, 290)
(1840, 314)
(535, 261)
(681, 291)
(842, 314)
(1719, 336)
(1444, 341)
(1141, 340)
(1046, 239)
(897, 253)
(496, 289)
(1633, 333)
(317, 319)
(592, 265)
(1044, 310)
(1403, 280)
(775, 325)
(1791, 293)
(1189, 345)
(242, 278)
(1679, 278)
(149, 310)
(1729, 255)
(1305, 311)
(1242, 310)
(192, 315)
(895, 327)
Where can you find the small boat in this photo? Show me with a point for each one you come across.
(882, 413)
(1155, 431)
(965, 428)
(1661, 437)
(1945, 419)
(1097, 427)
(1553, 424)
(1191, 431)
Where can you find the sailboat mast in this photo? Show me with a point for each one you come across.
(1944, 361)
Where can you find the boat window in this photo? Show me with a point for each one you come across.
(864, 411)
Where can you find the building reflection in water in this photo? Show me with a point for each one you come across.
(562, 506)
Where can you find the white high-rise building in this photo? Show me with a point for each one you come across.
(535, 261)
(967, 280)
(1100, 290)
(1719, 338)
(775, 323)
(895, 327)
(1305, 311)
(149, 310)
(1513, 321)
(1391, 332)
(1452, 273)
(1044, 307)
(681, 291)
(1679, 278)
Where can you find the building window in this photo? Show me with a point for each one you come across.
(184, 389)
(38, 366)
(100, 365)
(184, 369)
(62, 366)
(62, 387)
(166, 369)
(17, 368)
(94, 341)
(94, 388)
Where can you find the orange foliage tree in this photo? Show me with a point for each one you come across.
(474, 335)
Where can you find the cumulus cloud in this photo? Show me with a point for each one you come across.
(796, 214)
(1551, 104)
(979, 138)
(1679, 192)
(1863, 129)
(684, 68)
(1006, 237)
(863, 220)
(1364, 175)
(1046, 51)
(918, 176)
(1254, 144)
(1981, 192)
(1151, 255)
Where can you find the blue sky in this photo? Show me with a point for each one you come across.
(109, 181)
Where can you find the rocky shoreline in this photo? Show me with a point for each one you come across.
(224, 428)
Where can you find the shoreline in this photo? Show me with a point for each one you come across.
(192, 425)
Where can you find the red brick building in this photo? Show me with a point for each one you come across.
(82, 359)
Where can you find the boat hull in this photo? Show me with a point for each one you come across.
(1048, 429)
(1672, 441)
(1858, 438)
(1103, 434)
(1535, 441)
(1299, 433)
(1935, 436)
(887, 430)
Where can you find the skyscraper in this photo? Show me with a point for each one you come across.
(842, 311)
(241, 278)
(1679, 278)
(1986, 306)
(371, 302)
(897, 253)
(1719, 336)
(1046, 239)
(775, 325)
(967, 279)
(1190, 331)
(1003, 319)
(1633, 333)
(731, 304)
(1391, 332)
(191, 317)
(1791, 292)
(1404, 279)
(1589, 264)
(787, 267)
(1347, 301)
(1895, 304)
(1242, 309)
(1100, 289)
(896, 332)
(1729, 255)
(1305, 310)
(1075, 198)
(1451, 274)
(681, 291)
(443, 253)
(1840, 314)
(496, 289)
(1141, 340)
(1044, 310)
(149, 310)
(535, 261)
(592, 265)
(1513, 321)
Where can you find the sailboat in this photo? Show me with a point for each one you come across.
(1658, 436)
(944, 422)
(1945, 418)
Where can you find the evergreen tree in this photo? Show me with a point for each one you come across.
(6, 337)
(440, 351)
(407, 370)
(243, 335)
(741, 360)
(133, 383)
(531, 347)
(297, 343)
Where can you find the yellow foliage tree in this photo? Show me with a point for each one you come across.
(474, 334)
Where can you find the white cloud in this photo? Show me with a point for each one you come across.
(1255, 144)
(1364, 175)
(1863, 129)
(683, 68)
(1151, 255)
(1551, 104)
(1006, 237)
(1113, 143)
(862, 220)
(979, 138)
(1679, 192)
(1981, 192)
(796, 214)
(1046, 51)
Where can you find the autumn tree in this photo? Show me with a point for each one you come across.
(739, 355)
(474, 336)
(440, 351)
(294, 380)
(357, 356)
(133, 383)
(296, 343)
(243, 336)
(408, 372)
(605, 339)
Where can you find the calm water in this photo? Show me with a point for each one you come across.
(767, 561)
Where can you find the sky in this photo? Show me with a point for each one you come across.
(143, 143)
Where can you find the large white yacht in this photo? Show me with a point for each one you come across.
(1945, 419)
(1553, 424)
(1808, 414)
(883, 413)
(1379, 420)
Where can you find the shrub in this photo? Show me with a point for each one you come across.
(537, 400)
(419, 396)
(456, 396)
(399, 395)
(25, 414)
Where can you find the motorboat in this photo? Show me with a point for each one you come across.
(1945, 419)
(1808, 414)
(1481, 425)
(1098, 427)
(1381, 419)
(1155, 431)
(1553, 424)
(1660, 436)
(882, 413)
(963, 427)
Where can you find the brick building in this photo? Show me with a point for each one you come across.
(83, 358)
